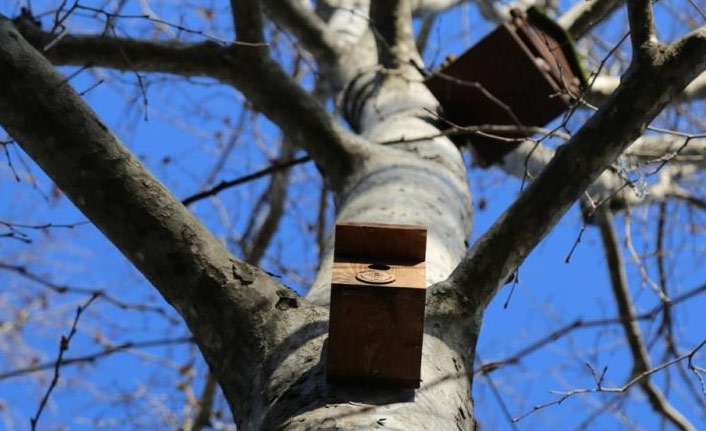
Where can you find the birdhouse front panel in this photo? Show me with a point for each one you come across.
(523, 74)
(378, 293)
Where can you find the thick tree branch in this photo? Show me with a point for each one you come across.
(231, 308)
(641, 96)
(642, 30)
(585, 15)
(392, 20)
(310, 30)
(254, 247)
(626, 310)
(179, 58)
(301, 118)
(426, 7)
(248, 20)
(604, 86)
(245, 67)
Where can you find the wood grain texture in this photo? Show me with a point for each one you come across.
(375, 241)
(375, 334)
(376, 330)
(406, 276)
(528, 86)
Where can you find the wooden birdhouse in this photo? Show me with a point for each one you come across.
(523, 74)
(378, 291)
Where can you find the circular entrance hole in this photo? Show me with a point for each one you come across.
(379, 267)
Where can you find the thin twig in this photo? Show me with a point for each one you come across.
(244, 179)
(92, 357)
(63, 347)
(617, 389)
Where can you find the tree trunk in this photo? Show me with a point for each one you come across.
(409, 183)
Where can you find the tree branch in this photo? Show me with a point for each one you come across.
(585, 15)
(433, 7)
(310, 30)
(617, 389)
(301, 118)
(528, 160)
(230, 307)
(223, 185)
(626, 310)
(642, 30)
(180, 58)
(93, 357)
(247, 67)
(605, 85)
(392, 20)
(247, 18)
(642, 94)
(260, 230)
(202, 419)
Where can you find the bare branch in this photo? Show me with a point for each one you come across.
(246, 67)
(424, 32)
(392, 20)
(642, 94)
(490, 366)
(180, 58)
(585, 15)
(314, 35)
(657, 148)
(230, 307)
(604, 86)
(63, 347)
(247, 17)
(99, 293)
(618, 389)
(687, 55)
(255, 244)
(642, 30)
(92, 357)
(302, 118)
(224, 185)
(626, 309)
(203, 415)
(621, 293)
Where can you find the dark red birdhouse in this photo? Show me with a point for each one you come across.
(523, 74)
(378, 292)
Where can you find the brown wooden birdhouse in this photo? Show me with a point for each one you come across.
(522, 75)
(378, 290)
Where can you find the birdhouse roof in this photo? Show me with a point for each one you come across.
(539, 18)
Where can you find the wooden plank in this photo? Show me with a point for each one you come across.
(378, 293)
(409, 276)
(375, 334)
(383, 242)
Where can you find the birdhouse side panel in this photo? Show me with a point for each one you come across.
(497, 82)
(375, 334)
